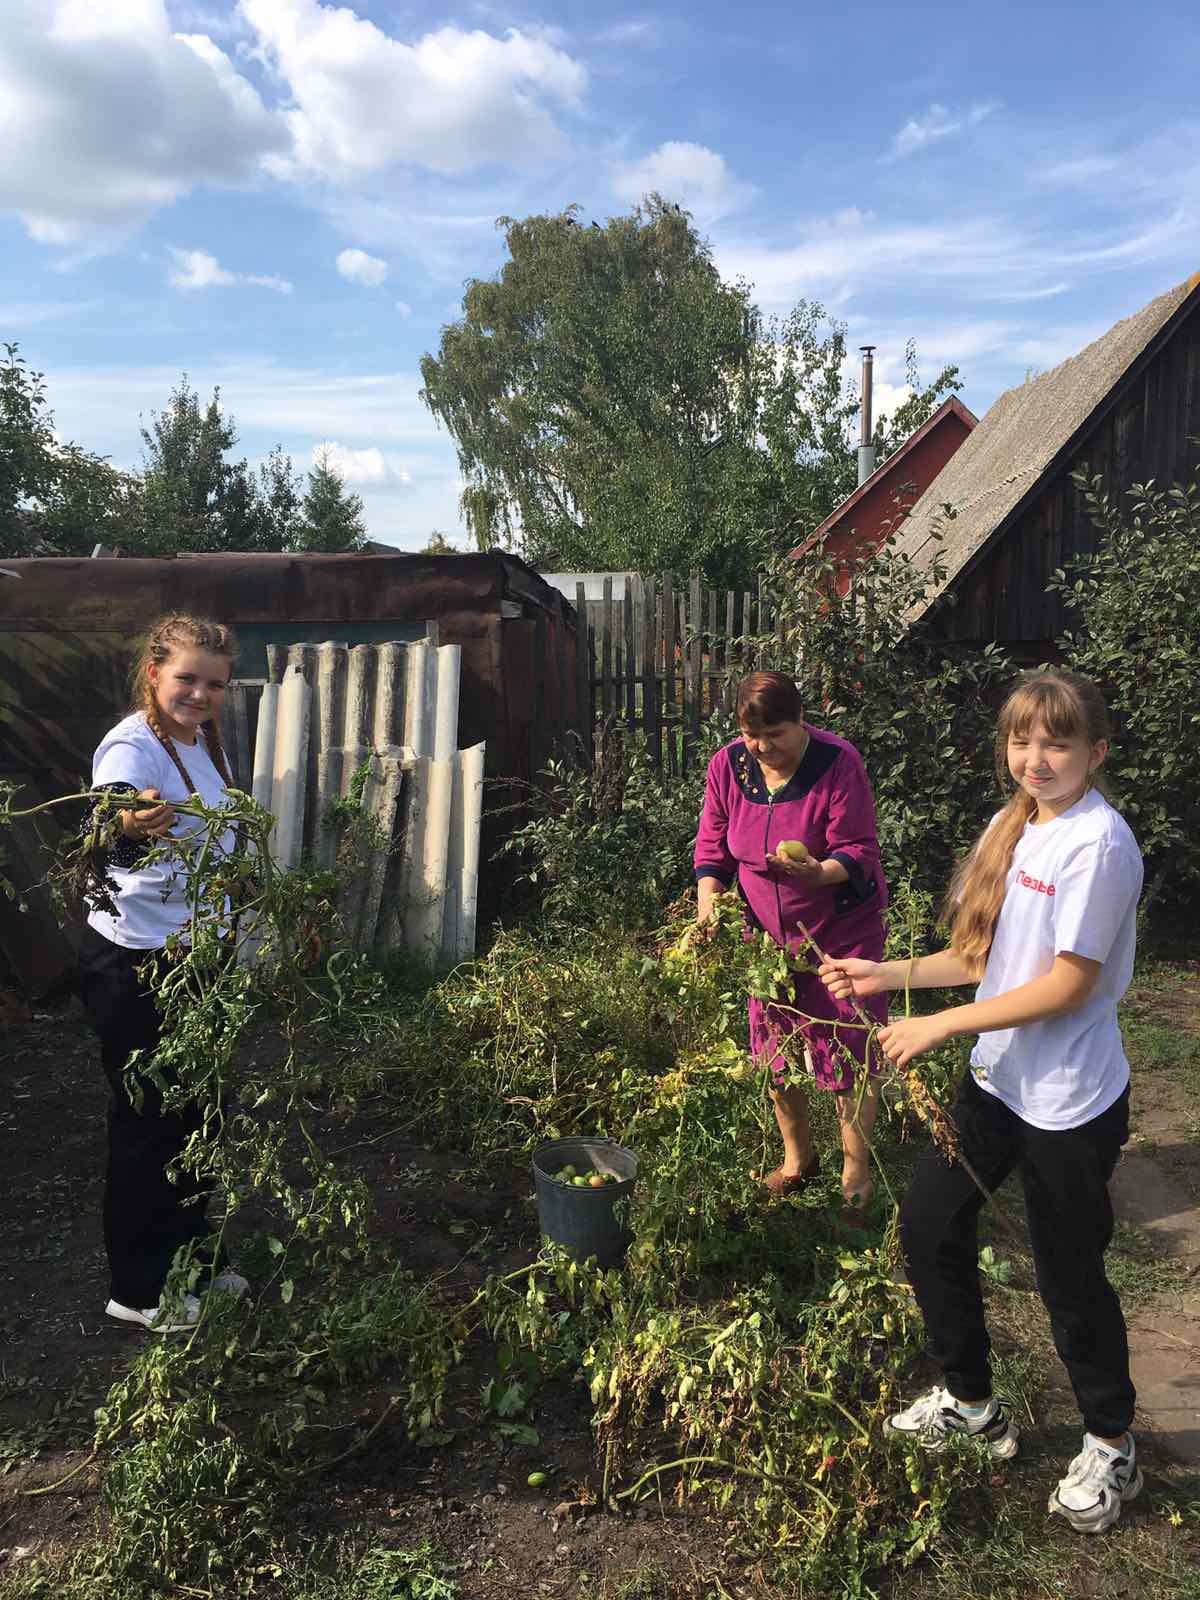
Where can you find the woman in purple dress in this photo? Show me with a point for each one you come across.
(785, 780)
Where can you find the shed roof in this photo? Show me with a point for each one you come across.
(102, 594)
(1027, 431)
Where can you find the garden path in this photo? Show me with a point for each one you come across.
(1157, 1187)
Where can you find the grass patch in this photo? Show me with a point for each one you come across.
(1137, 1267)
(1155, 1047)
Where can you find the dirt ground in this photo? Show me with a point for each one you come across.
(59, 1353)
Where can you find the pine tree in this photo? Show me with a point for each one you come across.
(330, 518)
(197, 498)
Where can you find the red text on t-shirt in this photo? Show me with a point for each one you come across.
(1027, 882)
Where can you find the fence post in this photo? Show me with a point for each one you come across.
(669, 671)
(606, 650)
(695, 645)
(631, 666)
(650, 702)
(585, 670)
(727, 652)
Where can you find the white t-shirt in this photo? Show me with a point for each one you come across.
(152, 900)
(1072, 888)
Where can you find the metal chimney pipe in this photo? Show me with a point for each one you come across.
(866, 450)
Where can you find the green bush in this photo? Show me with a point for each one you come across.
(921, 714)
(1135, 605)
(612, 842)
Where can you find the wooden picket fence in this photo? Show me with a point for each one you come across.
(662, 657)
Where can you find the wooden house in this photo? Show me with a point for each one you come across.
(879, 505)
(1003, 514)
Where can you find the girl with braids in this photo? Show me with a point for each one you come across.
(166, 750)
(1042, 916)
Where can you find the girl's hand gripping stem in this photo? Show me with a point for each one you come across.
(853, 978)
(908, 1037)
(152, 823)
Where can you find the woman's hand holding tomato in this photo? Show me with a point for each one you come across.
(809, 871)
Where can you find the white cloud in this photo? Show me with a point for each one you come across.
(280, 400)
(106, 115)
(354, 466)
(403, 307)
(186, 18)
(917, 132)
(691, 174)
(981, 110)
(1082, 172)
(363, 101)
(196, 269)
(839, 255)
(937, 123)
(640, 31)
(109, 111)
(298, 406)
(356, 266)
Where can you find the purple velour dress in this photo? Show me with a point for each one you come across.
(826, 803)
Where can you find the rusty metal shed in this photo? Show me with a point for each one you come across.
(69, 629)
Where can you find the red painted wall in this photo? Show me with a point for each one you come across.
(861, 524)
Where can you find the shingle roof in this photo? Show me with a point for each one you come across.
(1018, 438)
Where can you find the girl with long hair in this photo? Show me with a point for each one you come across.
(784, 780)
(167, 749)
(1042, 915)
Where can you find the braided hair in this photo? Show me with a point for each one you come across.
(169, 635)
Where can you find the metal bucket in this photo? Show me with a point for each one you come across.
(582, 1219)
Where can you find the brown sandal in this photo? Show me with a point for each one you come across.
(780, 1183)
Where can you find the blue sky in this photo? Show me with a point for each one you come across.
(285, 197)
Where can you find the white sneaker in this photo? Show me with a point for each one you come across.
(1098, 1483)
(177, 1316)
(227, 1281)
(931, 1420)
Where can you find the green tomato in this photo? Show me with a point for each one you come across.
(535, 1480)
(580, 1183)
(793, 850)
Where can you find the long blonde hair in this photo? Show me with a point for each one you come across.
(168, 636)
(1068, 707)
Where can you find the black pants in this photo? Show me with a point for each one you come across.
(1065, 1176)
(146, 1217)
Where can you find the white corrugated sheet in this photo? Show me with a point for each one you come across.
(389, 714)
